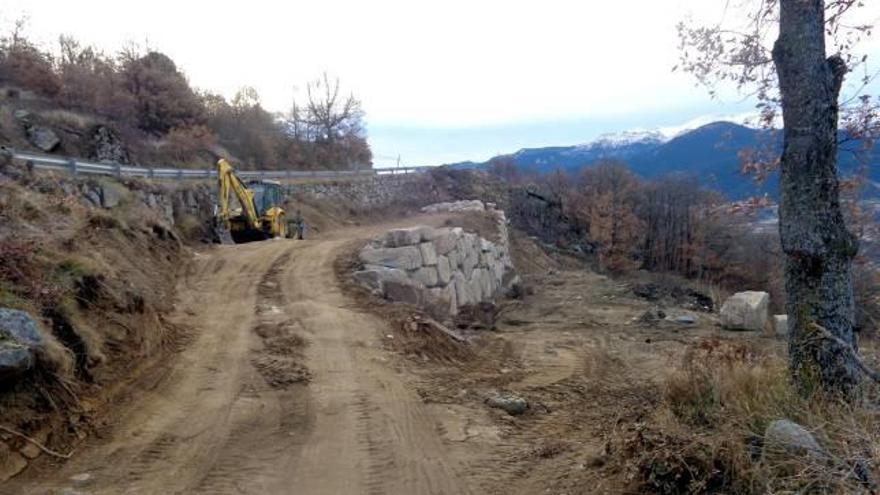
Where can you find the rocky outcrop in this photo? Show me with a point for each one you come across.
(19, 342)
(746, 311)
(105, 146)
(440, 270)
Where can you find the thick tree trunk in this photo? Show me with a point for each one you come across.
(818, 247)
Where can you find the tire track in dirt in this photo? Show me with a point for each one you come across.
(232, 413)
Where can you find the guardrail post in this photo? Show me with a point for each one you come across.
(150, 173)
(30, 166)
(72, 164)
(119, 170)
(180, 174)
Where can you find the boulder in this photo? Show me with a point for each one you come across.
(429, 255)
(43, 138)
(438, 301)
(780, 325)
(786, 440)
(374, 277)
(746, 311)
(509, 403)
(403, 291)
(19, 341)
(404, 258)
(20, 327)
(403, 237)
(111, 195)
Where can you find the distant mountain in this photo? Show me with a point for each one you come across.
(710, 152)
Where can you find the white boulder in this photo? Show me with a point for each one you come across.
(746, 311)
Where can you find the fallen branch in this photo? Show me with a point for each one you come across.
(846, 345)
(444, 330)
(40, 446)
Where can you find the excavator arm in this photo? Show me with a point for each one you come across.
(230, 184)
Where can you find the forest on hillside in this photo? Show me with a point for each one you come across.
(143, 102)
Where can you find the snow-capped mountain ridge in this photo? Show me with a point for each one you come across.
(626, 138)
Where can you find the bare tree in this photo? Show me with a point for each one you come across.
(798, 77)
(330, 113)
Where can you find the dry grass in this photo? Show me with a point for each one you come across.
(68, 119)
(708, 433)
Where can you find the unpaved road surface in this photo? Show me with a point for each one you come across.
(284, 389)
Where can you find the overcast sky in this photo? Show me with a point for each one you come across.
(440, 81)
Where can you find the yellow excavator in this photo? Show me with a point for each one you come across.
(260, 215)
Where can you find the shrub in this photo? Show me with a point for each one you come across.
(22, 64)
(708, 434)
(164, 99)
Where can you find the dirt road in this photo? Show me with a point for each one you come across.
(285, 389)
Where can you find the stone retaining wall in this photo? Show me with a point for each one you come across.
(440, 270)
(369, 193)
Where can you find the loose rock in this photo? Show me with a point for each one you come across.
(43, 138)
(787, 440)
(746, 311)
(509, 403)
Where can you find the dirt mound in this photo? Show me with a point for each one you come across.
(100, 281)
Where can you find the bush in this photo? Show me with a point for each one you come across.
(24, 65)
(163, 97)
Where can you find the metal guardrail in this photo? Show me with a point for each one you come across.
(77, 166)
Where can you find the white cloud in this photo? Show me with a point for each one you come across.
(459, 62)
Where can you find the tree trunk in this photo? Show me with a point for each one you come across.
(817, 245)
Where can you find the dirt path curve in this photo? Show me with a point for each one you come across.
(227, 416)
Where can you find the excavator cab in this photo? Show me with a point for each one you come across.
(267, 194)
(260, 215)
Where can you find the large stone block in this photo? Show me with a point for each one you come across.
(475, 287)
(446, 242)
(455, 259)
(487, 258)
(405, 292)
(780, 325)
(404, 258)
(403, 237)
(471, 260)
(427, 276)
(374, 276)
(440, 300)
(429, 255)
(487, 287)
(746, 311)
(463, 294)
(444, 270)
(453, 299)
